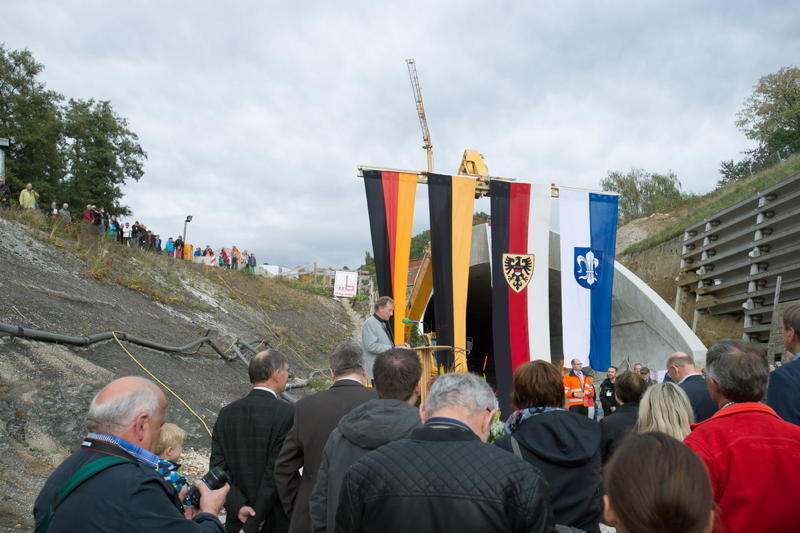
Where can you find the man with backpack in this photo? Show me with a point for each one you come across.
(111, 483)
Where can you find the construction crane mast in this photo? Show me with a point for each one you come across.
(423, 121)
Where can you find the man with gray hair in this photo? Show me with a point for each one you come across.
(442, 477)
(681, 369)
(315, 417)
(115, 485)
(376, 333)
(750, 453)
(245, 442)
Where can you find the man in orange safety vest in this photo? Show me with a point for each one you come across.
(578, 389)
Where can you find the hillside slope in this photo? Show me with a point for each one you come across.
(81, 285)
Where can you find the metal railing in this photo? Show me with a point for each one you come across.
(744, 259)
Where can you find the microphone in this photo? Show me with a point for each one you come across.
(409, 321)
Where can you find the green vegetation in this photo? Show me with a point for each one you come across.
(699, 207)
(643, 193)
(78, 152)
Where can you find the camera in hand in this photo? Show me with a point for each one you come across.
(214, 479)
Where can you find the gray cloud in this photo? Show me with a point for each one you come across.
(255, 115)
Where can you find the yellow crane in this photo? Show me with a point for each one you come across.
(423, 121)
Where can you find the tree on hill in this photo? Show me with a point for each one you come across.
(101, 154)
(80, 153)
(771, 115)
(643, 193)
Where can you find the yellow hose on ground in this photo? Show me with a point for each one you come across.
(186, 405)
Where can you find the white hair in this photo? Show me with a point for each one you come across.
(463, 390)
(115, 415)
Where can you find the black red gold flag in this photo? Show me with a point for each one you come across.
(451, 200)
(390, 203)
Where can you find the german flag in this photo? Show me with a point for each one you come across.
(451, 200)
(520, 291)
(390, 203)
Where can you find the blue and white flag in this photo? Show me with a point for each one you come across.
(588, 228)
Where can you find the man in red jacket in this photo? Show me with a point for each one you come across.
(751, 454)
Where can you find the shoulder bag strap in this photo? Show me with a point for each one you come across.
(75, 480)
(515, 447)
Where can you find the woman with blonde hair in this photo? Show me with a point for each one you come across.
(665, 408)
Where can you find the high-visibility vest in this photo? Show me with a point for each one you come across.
(572, 386)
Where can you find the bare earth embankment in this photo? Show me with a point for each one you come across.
(80, 286)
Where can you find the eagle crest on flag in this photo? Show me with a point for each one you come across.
(518, 270)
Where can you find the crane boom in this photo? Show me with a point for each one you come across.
(423, 121)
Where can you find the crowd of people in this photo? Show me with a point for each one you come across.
(666, 457)
(135, 235)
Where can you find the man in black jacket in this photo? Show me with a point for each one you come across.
(315, 417)
(607, 398)
(367, 427)
(124, 422)
(443, 477)
(246, 440)
(680, 367)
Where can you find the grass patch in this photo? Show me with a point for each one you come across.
(698, 208)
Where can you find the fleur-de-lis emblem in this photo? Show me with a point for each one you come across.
(587, 267)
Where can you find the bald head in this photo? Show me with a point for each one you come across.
(131, 408)
(679, 365)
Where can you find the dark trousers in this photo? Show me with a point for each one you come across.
(580, 409)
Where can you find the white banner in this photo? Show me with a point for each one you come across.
(345, 284)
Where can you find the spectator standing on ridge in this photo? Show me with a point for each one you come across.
(88, 214)
(157, 243)
(654, 483)
(53, 209)
(124, 423)
(234, 258)
(64, 213)
(245, 442)
(629, 390)
(28, 198)
(751, 453)
(783, 393)
(376, 333)
(578, 389)
(251, 263)
(369, 426)
(315, 417)
(564, 446)
(169, 247)
(665, 408)
(607, 398)
(179, 247)
(208, 251)
(443, 476)
(680, 367)
(5, 193)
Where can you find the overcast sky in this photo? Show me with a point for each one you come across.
(256, 115)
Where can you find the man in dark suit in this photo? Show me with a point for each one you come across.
(783, 393)
(315, 418)
(680, 367)
(247, 437)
